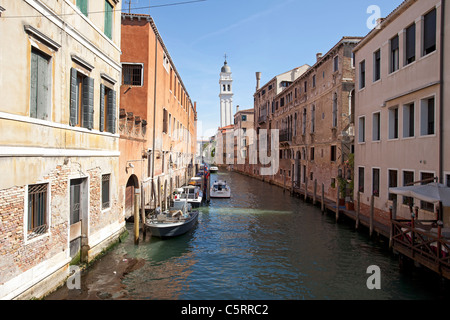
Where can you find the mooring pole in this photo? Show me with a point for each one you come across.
(371, 214)
(137, 192)
(358, 208)
(144, 232)
(322, 205)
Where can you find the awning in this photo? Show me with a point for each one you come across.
(432, 192)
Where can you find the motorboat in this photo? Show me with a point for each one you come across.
(213, 169)
(192, 195)
(177, 220)
(220, 189)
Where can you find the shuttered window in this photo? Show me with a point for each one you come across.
(107, 109)
(108, 19)
(81, 100)
(83, 6)
(40, 85)
(429, 32)
(394, 56)
(410, 44)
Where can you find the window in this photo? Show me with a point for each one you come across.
(376, 127)
(313, 118)
(336, 63)
(362, 74)
(393, 123)
(376, 182)
(306, 85)
(428, 177)
(312, 154)
(132, 74)
(81, 100)
(314, 81)
(244, 117)
(333, 154)
(361, 179)
(106, 178)
(427, 125)
(83, 6)
(362, 129)
(229, 87)
(334, 110)
(107, 109)
(282, 102)
(165, 121)
(393, 183)
(108, 19)
(408, 120)
(394, 54)
(40, 85)
(304, 121)
(37, 209)
(408, 179)
(376, 65)
(410, 48)
(447, 178)
(429, 32)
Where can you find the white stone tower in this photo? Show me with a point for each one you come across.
(226, 95)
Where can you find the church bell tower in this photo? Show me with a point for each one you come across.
(226, 95)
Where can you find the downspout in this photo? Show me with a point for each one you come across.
(154, 115)
(441, 94)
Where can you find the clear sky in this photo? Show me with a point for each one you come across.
(269, 36)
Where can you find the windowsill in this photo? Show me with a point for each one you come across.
(361, 89)
(393, 73)
(409, 64)
(428, 55)
(37, 238)
(106, 210)
(376, 81)
(393, 139)
(361, 142)
(376, 141)
(427, 136)
(409, 138)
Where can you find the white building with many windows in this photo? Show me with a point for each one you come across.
(400, 112)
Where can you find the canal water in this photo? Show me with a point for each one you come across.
(259, 244)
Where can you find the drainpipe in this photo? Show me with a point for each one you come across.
(441, 98)
(154, 113)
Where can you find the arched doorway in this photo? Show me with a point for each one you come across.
(132, 184)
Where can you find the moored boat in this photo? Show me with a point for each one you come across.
(220, 189)
(179, 219)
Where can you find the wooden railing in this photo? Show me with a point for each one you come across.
(417, 240)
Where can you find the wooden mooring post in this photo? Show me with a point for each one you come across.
(337, 202)
(358, 208)
(137, 192)
(390, 229)
(322, 205)
(144, 231)
(315, 192)
(371, 215)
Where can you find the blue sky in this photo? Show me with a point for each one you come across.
(269, 36)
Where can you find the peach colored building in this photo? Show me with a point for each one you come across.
(401, 114)
(157, 122)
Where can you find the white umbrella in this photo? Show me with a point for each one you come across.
(432, 192)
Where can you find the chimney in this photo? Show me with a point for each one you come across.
(237, 108)
(258, 79)
(318, 56)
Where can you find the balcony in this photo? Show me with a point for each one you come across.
(285, 136)
(262, 119)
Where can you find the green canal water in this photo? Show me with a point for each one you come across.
(259, 244)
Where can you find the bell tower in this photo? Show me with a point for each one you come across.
(226, 95)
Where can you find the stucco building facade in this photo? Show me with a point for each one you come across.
(59, 144)
(402, 107)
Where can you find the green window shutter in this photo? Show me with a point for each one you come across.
(33, 85)
(108, 19)
(73, 97)
(83, 6)
(88, 103)
(102, 107)
(111, 114)
(39, 85)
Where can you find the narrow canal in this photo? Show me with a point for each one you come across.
(260, 244)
